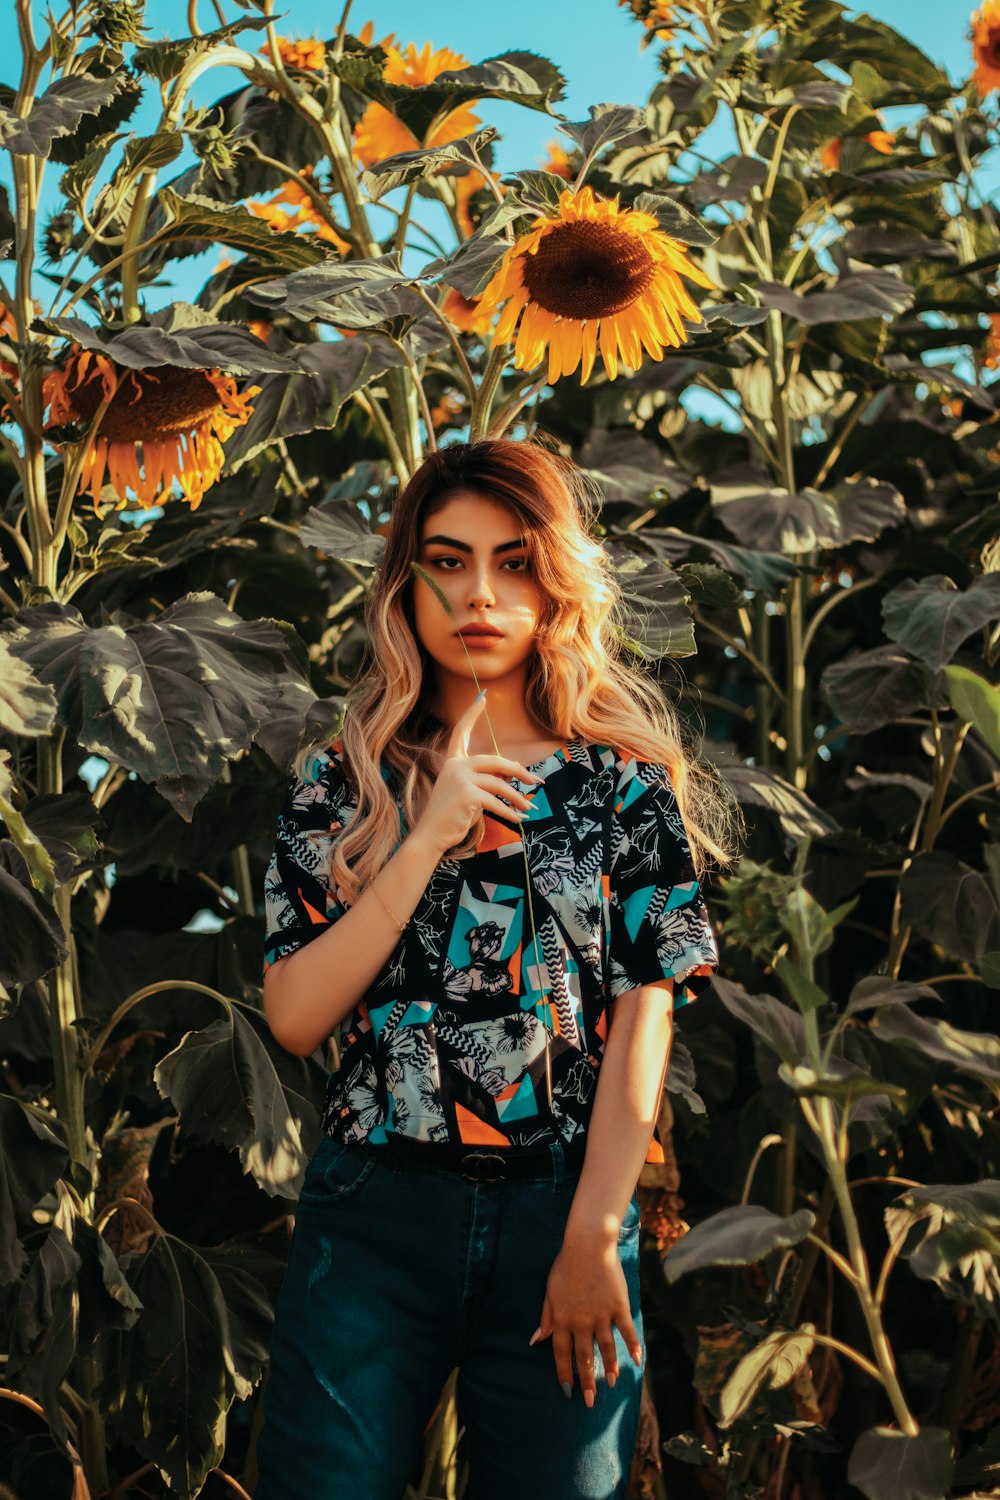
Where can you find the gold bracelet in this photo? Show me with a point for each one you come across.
(402, 927)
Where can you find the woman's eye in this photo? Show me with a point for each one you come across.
(438, 561)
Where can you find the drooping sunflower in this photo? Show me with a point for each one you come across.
(986, 47)
(379, 133)
(466, 313)
(161, 425)
(593, 271)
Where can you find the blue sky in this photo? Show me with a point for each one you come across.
(595, 43)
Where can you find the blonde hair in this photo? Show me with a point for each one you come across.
(579, 681)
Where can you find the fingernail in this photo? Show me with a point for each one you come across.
(567, 1389)
(535, 1334)
(611, 1381)
(637, 1356)
(480, 694)
(588, 1396)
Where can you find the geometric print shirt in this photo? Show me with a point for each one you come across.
(472, 1033)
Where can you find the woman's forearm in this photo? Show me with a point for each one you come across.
(309, 992)
(626, 1105)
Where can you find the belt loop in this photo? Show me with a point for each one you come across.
(558, 1165)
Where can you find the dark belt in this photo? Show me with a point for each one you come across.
(480, 1164)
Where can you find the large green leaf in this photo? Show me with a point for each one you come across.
(886, 1464)
(874, 688)
(951, 1235)
(410, 166)
(34, 940)
(778, 1025)
(950, 903)
(57, 112)
(43, 1326)
(976, 1054)
(232, 1084)
(27, 706)
(530, 80)
(930, 617)
(661, 622)
(169, 1380)
(321, 292)
(795, 811)
(737, 1236)
(977, 700)
(776, 1360)
(32, 1157)
(181, 336)
(763, 515)
(199, 218)
(172, 699)
(863, 294)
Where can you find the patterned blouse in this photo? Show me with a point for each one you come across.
(449, 1042)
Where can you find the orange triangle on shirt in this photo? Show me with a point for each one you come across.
(476, 1131)
(314, 916)
(655, 1152)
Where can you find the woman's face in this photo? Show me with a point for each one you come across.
(473, 549)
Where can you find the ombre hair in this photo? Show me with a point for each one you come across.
(579, 680)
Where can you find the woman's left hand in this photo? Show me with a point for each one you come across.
(585, 1296)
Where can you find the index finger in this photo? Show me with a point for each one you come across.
(458, 741)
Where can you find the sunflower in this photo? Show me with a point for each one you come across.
(466, 313)
(179, 418)
(986, 47)
(593, 270)
(557, 162)
(309, 55)
(879, 140)
(379, 133)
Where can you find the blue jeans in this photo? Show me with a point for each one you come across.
(396, 1275)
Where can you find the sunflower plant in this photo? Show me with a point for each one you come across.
(777, 363)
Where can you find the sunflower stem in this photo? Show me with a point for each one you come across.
(483, 403)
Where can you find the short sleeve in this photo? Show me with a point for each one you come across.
(299, 899)
(659, 926)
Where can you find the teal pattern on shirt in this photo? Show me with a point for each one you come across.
(448, 1044)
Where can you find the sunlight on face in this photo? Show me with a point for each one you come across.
(482, 568)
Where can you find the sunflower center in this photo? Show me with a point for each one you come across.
(149, 405)
(993, 47)
(588, 270)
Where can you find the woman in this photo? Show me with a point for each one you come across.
(471, 1202)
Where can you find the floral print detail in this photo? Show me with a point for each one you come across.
(448, 1044)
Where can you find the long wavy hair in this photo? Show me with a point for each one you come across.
(579, 680)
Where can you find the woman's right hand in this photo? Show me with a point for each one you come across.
(468, 785)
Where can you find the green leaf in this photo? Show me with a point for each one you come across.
(172, 699)
(888, 1465)
(27, 706)
(764, 515)
(874, 688)
(807, 995)
(989, 969)
(198, 218)
(34, 1159)
(931, 618)
(875, 293)
(876, 990)
(737, 1236)
(233, 1085)
(608, 124)
(973, 1053)
(776, 1024)
(977, 700)
(410, 166)
(795, 812)
(779, 1358)
(57, 112)
(674, 219)
(951, 904)
(43, 1328)
(181, 336)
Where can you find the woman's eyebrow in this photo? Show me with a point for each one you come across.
(451, 541)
